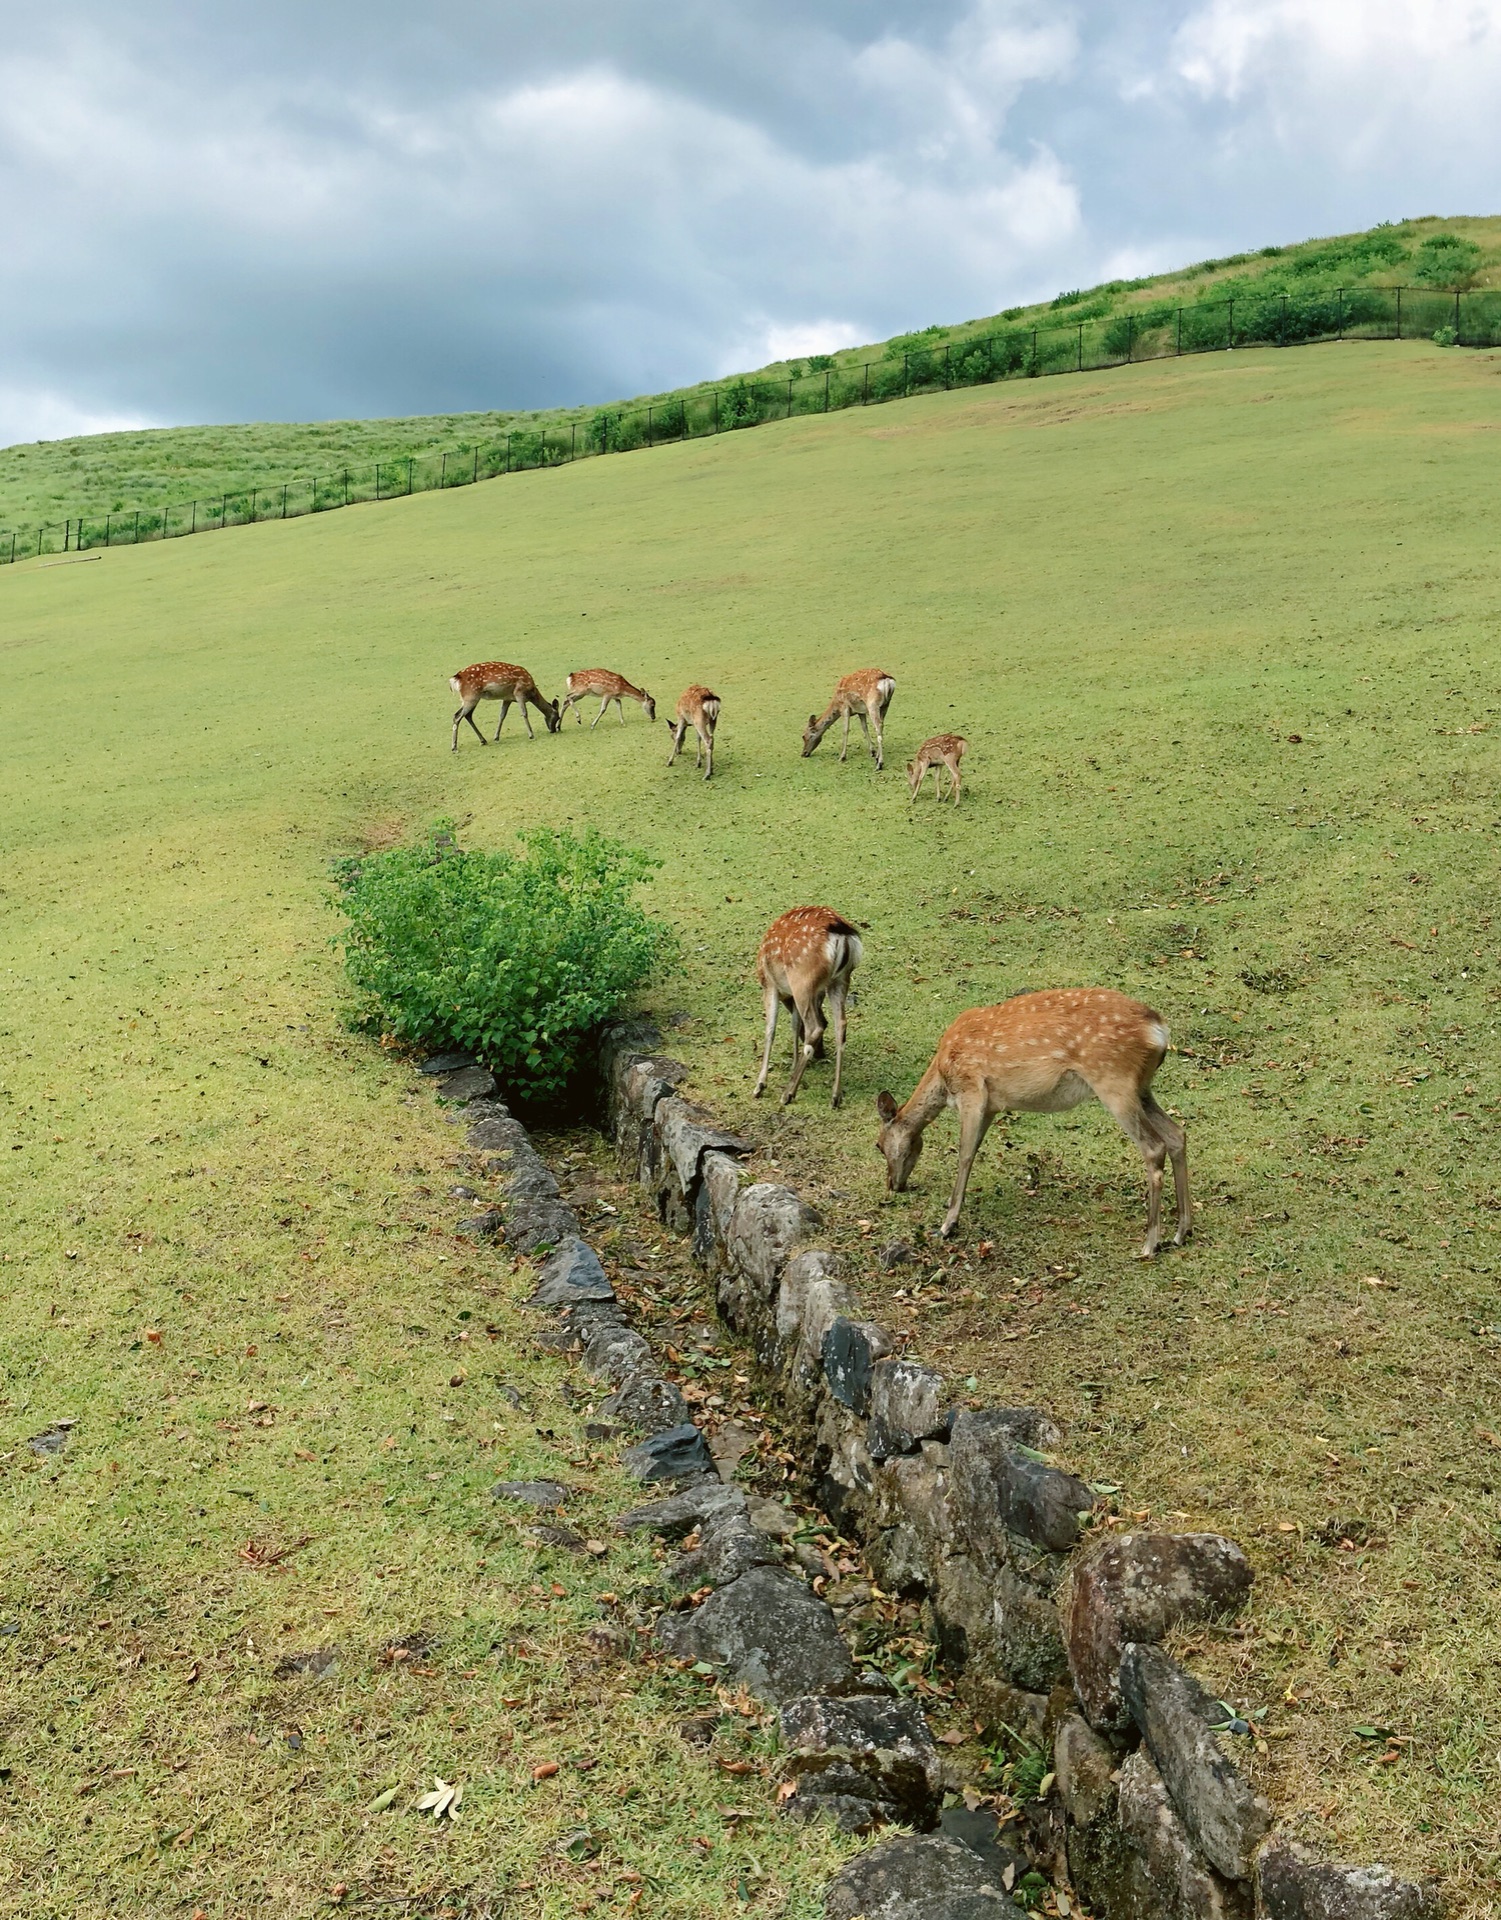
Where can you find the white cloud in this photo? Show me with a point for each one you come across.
(774, 343)
(29, 413)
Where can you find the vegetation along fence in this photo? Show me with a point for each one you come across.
(1082, 338)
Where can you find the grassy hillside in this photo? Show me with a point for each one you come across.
(1221, 634)
(123, 472)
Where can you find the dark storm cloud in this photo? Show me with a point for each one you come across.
(304, 212)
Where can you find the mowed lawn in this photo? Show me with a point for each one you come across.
(1222, 636)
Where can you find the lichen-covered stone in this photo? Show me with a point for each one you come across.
(646, 1404)
(1179, 1884)
(848, 1354)
(768, 1632)
(997, 1489)
(1226, 1818)
(613, 1351)
(1293, 1885)
(768, 1223)
(862, 1759)
(678, 1454)
(688, 1133)
(681, 1512)
(926, 1878)
(908, 1403)
(730, 1546)
(1137, 1586)
(570, 1274)
(809, 1300)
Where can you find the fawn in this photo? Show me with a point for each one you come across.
(697, 708)
(807, 953)
(606, 686)
(943, 750)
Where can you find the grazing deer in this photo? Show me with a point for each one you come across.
(806, 954)
(697, 708)
(606, 686)
(866, 695)
(1044, 1053)
(511, 686)
(943, 750)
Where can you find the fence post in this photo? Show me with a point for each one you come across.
(1080, 367)
(1282, 336)
(377, 480)
(865, 395)
(1130, 338)
(255, 504)
(1457, 341)
(135, 530)
(1034, 351)
(13, 549)
(947, 369)
(573, 443)
(508, 456)
(284, 502)
(1231, 323)
(788, 414)
(223, 510)
(1399, 313)
(443, 475)
(1341, 310)
(906, 374)
(827, 370)
(108, 518)
(650, 431)
(409, 470)
(716, 409)
(194, 527)
(67, 530)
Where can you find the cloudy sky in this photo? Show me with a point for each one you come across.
(297, 212)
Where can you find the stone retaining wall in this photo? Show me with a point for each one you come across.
(1050, 1622)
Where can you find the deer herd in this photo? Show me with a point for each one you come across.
(1038, 1052)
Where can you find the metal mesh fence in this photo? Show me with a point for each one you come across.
(1082, 345)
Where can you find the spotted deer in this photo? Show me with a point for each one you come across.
(697, 708)
(808, 953)
(511, 686)
(943, 750)
(866, 695)
(599, 683)
(1044, 1053)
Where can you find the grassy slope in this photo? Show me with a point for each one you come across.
(1128, 592)
(110, 473)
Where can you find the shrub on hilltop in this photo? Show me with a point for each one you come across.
(520, 957)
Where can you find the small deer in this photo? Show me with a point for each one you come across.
(697, 708)
(807, 953)
(943, 750)
(511, 686)
(866, 695)
(606, 686)
(1044, 1053)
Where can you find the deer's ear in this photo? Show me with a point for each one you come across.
(812, 719)
(886, 1107)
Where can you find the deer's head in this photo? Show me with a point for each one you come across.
(899, 1144)
(812, 734)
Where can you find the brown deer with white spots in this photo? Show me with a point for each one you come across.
(943, 750)
(697, 708)
(809, 953)
(599, 683)
(511, 686)
(1044, 1053)
(865, 695)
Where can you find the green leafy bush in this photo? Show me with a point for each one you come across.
(519, 956)
(1446, 260)
(1445, 337)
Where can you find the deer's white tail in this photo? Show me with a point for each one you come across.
(1159, 1036)
(711, 712)
(455, 687)
(845, 952)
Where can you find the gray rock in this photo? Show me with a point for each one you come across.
(714, 1206)
(687, 1134)
(496, 1133)
(961, 1608)
(1225, 1817)
(864, 1760)
(1137, 1586)
(677, 1454)
(1181, 1886)
(809, 1300)
(614, 1351)
(932, 1878)
(1026, 1642)
(848, 1356)
(846, 1482)
(315, 1664)
(1293, 1885)
(731, 1546)
(768, 1222)
(681, 1512)
(447, 1062)
(908, 1403)
(538, 1222)
(481, 1226)
(997, 1489)
(468, 1083)
(772, 1518)
(532, 1493)
(1084, 1767)
(897, 1254)
(978, 1829)
(646, 1404)
(51, 1439)
(570, 1274)
(769, 1632)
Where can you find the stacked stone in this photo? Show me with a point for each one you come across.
(963, 1510)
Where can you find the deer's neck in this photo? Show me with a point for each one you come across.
(929, 1098)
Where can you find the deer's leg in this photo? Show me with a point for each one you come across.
(1175, 1141)
(505, 708)
(599, 716)
(1125, 1104)
(836, 1007)
(708, 740)
(677, 728)
(954, 783)
(773, 1008)
(524, 704)
(809, 1030)
(466, 713)
(619, 710)
(823, 1027)
(974, 1123)
(844, 742)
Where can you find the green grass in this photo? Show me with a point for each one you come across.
(145, 470)
(1129, 592)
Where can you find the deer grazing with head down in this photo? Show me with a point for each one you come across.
(697, 708)
(943, 750)
(601, 684)
(1044, 1053)
(511, 686)
(866, 695)
(808, 953)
